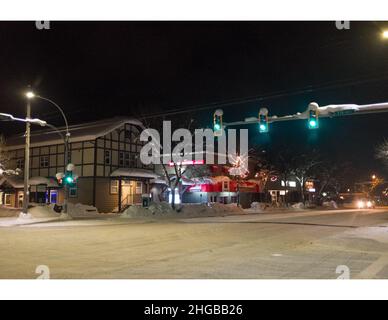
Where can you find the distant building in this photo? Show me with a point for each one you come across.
(211, 183)
(106, 155)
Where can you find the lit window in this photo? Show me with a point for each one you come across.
(139, 187)
(44, 162)
(114, 186)
(7, 199)
(292, 184)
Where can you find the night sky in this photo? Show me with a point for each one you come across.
(96, 70)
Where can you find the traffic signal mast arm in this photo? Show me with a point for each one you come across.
(329, 111)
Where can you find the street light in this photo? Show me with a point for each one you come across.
(374, 177)
(32, 95)
(385, 34)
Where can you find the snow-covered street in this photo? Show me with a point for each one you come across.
(313, 244)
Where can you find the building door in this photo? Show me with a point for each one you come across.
(53, 196)
(20, 199)
(127, 192)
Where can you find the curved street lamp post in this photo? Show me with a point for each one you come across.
(31, 95)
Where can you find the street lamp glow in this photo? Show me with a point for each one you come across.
(385, 34)
(30, 95)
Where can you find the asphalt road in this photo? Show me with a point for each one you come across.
(308, 245)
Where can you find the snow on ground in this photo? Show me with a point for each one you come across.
(44, 213)
(8, 212)
(158, 210)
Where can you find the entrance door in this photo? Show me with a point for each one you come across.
(53, 196)
(127, 191)
(20, 199)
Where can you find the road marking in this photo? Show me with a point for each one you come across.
(374, 268)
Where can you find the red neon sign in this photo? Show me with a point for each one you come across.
(188, 163)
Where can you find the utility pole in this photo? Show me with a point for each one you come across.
(66, 189)
(26, 195)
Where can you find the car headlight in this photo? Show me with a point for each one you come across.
(361, 204)
(369, 204)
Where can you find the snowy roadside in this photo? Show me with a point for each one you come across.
(45, 213)
(164, 210)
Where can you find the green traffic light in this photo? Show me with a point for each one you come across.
(217, 127)
(69, 180)
(263, 128)
(313, 123)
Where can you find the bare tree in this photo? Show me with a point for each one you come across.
(174, 173)
(382, 152)
(303, 169)
(4, 157)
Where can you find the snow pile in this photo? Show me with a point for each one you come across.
(163, 209)
(256, 207)
(298, 206)
(43, 212)
(81, 210)
(213, 210)
(330, 204)
(8, 212)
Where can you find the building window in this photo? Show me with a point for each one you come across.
(124, 159)
(7, 199)
(133, 160)
(44, 162)
(114, 186)
(139, 188)
(108, 158)
(73, 193)
(20, 163)
(225, 186)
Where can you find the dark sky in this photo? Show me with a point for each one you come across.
(103, 69)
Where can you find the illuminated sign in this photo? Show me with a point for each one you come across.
(188, 163)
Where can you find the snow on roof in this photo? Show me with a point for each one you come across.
(134, 173)
(18, 182)
(15, 182)
(50, 182)
(158, 181)
(82, 132)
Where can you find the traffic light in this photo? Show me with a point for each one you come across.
(263, 120)
(313, 119)
(69, 179)
(218, 123)
(263, 123)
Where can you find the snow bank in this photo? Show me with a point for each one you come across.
(43, 212)
(163, 209)
(330, 204)
(298, 206)
(81, 210)
(8, 212)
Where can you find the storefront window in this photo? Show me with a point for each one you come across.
(114, 186)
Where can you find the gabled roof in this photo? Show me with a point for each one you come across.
(82, 132)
